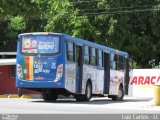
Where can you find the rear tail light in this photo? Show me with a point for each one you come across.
(59, 72)
(19, 71)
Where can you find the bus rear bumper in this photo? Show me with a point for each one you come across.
(38, 84)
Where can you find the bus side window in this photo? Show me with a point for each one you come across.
(116, 57)
(113, 61)
(70, 51)
(99, 58)
(112, 57)
(92, 56)
(86, 54)
(113, 65)
(121, 63)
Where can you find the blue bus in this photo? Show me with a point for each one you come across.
(58, 64)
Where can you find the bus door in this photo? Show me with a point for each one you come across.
(106, 72)
(79, 60)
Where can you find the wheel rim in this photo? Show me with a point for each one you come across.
(88, 91)
(119, 93)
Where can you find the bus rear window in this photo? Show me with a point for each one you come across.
(40, 44)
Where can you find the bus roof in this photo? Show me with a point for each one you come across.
(39, 33)
(104, 48)
(82, 41)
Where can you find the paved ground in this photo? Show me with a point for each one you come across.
(70, 106)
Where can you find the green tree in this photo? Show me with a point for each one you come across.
(131, 26)
(17, 16)
(135, 31)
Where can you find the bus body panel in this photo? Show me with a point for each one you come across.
(116, 78)
(70, 76)
(44, 72)
(96, 76)
(40, 71)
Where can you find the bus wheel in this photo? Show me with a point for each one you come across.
(20, 92)
(79, 97)
(49, 95)
(54, 96)
(88, 92)
(120, 94)
(45, 96)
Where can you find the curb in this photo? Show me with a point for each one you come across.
(13, 96)
(26, 96)
(23, 96)
(3, 96)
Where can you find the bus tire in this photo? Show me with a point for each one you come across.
(120, 95)
(79, 98)
(49, 95)
(20, 92)
(45, 96)
(88, 92)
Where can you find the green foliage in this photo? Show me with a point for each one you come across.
(1, 10)
(131, 26)
(112, 23)
(18, 23)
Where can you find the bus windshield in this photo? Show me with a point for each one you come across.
(40, 44)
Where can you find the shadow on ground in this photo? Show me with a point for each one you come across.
(93, 101)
